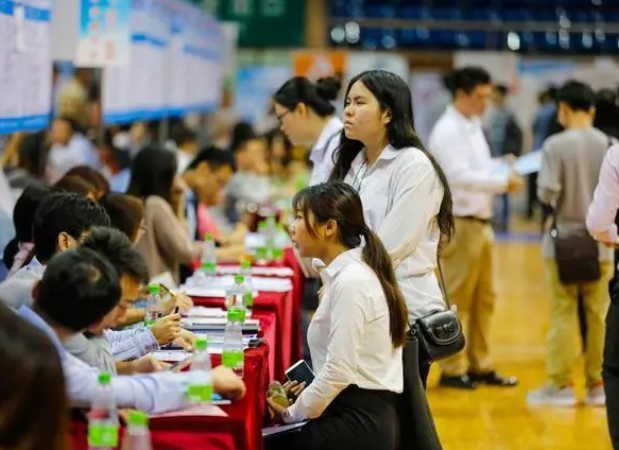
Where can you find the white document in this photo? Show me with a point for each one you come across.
(525, 165)
(282, 272)
(221, 283)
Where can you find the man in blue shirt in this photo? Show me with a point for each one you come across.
(79, 288)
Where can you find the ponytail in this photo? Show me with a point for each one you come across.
(341, 203)
(375, 255)
(10, 251)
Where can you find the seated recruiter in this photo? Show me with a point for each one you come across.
(125, 351)
(62, 220)
(356, 335)
(78, 289)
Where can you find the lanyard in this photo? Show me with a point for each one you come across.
(359, 177)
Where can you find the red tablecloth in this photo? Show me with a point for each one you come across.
(298, 284)
(241, 430)
(281, 305)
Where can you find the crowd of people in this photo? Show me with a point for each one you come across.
(373, 206)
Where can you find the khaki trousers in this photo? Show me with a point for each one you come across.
(467, 263)
(562, 337)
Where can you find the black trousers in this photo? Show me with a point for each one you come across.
(357, 419)
(610, 367)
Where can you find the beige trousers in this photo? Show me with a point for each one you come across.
(467, 263)
(562, 337)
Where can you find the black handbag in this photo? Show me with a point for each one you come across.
(439, 333)
(576, 255)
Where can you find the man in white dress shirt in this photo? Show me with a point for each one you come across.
(78, 289)
(460, 147)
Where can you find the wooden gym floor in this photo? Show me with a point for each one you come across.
(499, 419)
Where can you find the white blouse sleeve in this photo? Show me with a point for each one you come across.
(417, 195)
(348, 312)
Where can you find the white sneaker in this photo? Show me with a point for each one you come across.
(596, 396)
(550, 395)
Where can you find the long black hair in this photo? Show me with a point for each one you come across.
(23, 219)
(152, 173)
(340, 202)
(394, 95)
(317, 96)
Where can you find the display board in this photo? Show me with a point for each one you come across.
(175, 64)
(104, 34)
(25, 65)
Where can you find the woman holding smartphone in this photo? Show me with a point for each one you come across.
(356, 335)
(406, 199)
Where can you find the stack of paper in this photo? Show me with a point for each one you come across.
(282, 272)
(201, 311)
(210, 324)
(216, 287)
(206, 291)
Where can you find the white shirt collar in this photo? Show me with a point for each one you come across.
(388, 153)
(333, 127)
(341, 261)
(469, 123)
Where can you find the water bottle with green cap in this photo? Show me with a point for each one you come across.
(271, 229)
(202, 391)
(233, 355)
(279, 242)
(234, 293)
(138, 435)
(208, 261)
(154, 308)
(262, 249)
(103, 418)
(247, 293)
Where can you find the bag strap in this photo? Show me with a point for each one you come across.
(442, 280)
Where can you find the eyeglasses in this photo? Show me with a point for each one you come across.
(281, 117)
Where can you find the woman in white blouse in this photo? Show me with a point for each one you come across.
(405, 195)
(356, 335)
(305, 112)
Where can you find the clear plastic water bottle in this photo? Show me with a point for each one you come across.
(234, 294)
(209, 257)
(262, 249)
(208, 262)
(138, 434)
(280, 241)
(201, 392)
(248, 288)
(271, 229)
(246, 270)
(103, 420)
(233, 355)
(154, 308)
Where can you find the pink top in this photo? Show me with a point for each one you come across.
(603, 208)
(22, 257)
(206, 224)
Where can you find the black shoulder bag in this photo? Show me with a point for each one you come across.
(576, 255)
(440, 333)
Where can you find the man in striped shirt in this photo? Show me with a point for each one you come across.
(124, 351)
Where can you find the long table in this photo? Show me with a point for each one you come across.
(279, 306)
(240, 430)
(279, 315)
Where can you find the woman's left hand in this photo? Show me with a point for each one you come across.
(277, 411)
